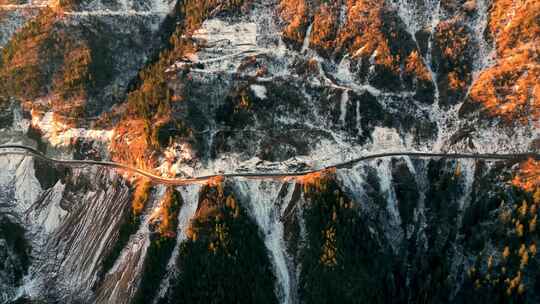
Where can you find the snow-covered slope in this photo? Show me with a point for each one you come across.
(264, 86)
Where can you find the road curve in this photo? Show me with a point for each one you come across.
(26, 150)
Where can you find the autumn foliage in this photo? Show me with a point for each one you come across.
(166, 213)
(510, 89)
(453, 39)
(48, 60)
(363, 36)
(22, 71)
(513, 24)
(140, 195)
(325, 27)
(316, 181)
(295, 13)
(415, 66)
(355, 28)
(212, 221)
(528, 176)
(149, 106)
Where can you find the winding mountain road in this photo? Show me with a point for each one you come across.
(29, 151)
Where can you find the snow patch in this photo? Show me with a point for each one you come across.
(343, 106)
(259, 91)
(393, 229)
(217, 31)
(265, 208)
(305, 45)
(190, 199)
(59, 134)
(174, 159)
(223, 46)
(52, 215)
(385, 139)
(18, 173)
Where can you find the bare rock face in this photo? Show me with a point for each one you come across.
(196, 88)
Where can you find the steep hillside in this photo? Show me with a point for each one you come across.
(250, 87)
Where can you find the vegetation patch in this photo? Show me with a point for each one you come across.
(64, 65)
(509, 89)
(16, 257)
(342, 262)
(508, 271)
(149, 106)
(162, 242)
(224, 259)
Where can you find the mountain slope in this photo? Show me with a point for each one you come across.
(210, 87)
